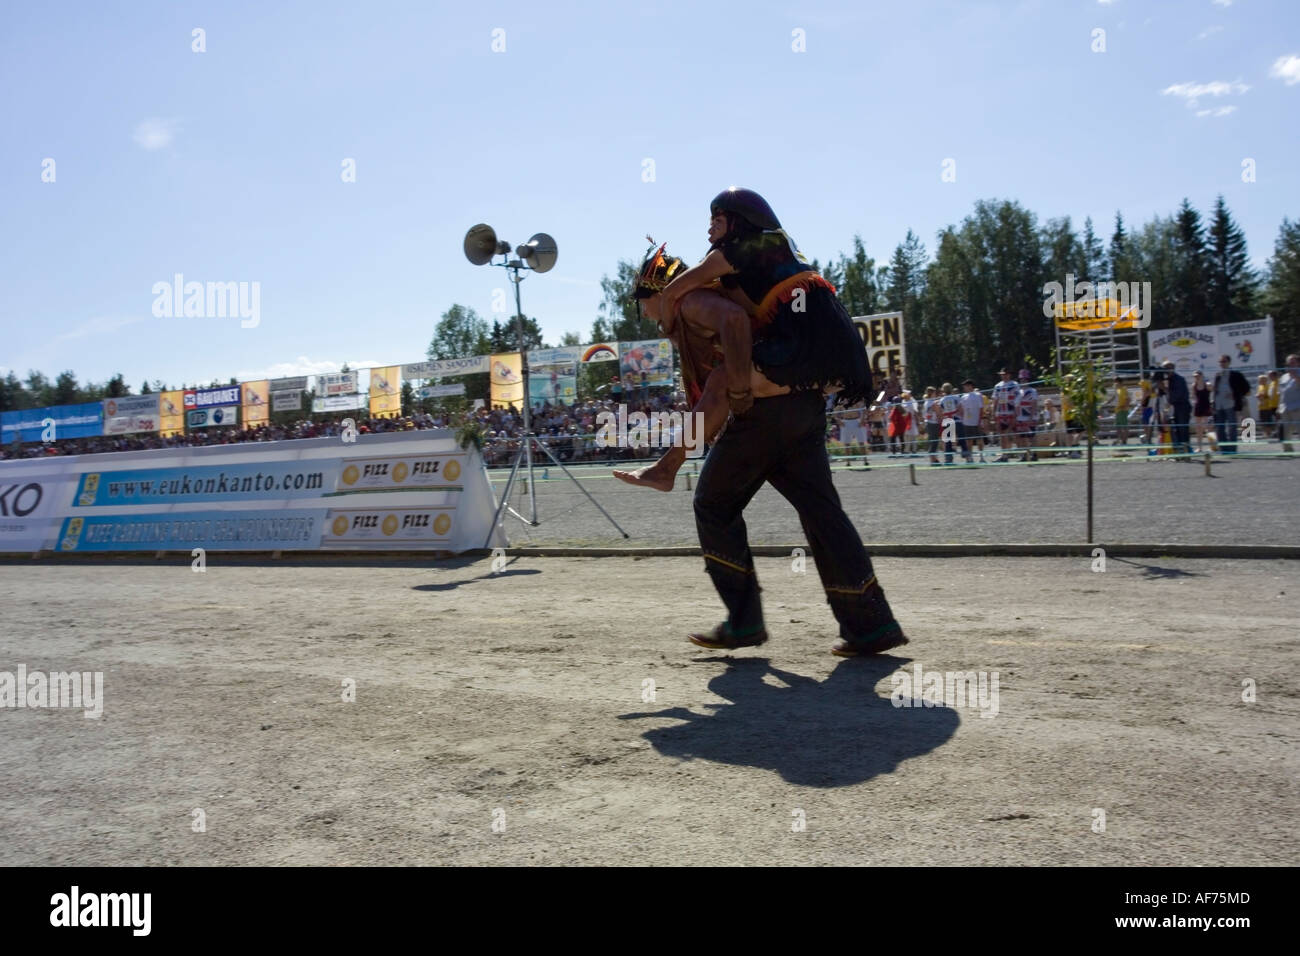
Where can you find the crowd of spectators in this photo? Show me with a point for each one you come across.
(1021, 419)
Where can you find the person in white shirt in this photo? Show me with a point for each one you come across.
(950, 422)
(972, 410)
(930, 413)
(1288, 405)
(1006, 395)
(1026, 416)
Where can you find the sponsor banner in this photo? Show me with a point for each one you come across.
(290, 401)
(601, 352)
(226, 416)
(259, 496)
(296, 384)
(507, 382)
(1250, 346)
(654, 357)
(397, 474)
(27, 510)
(234, 482)
(882, 336)
(441, 391)
(212, 397)
(256, 404)
(171, 413)
(336, 383)
(134, 413)
(553, 375)
(1191, 349)
(385, 391)
(338, 403)
(445, 367)
(213, 530)
(65, 421)
(400, 527)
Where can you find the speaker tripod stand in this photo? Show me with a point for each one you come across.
(525, 453)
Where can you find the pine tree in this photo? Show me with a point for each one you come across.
(1231, 283)
(1191, 301)
(1094, 256)
(1119, 256)
(1281, 297)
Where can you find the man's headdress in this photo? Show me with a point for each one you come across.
(657, 270)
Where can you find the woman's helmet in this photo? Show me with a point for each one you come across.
(746, 204)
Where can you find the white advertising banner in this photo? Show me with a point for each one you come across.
(339, 403)
(336, 383)
(296, 384)
(133, 413)
(442, 391)
(445, 367)
(289, 401)
(401, 490)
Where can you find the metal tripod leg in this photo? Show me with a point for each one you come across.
(560, 464)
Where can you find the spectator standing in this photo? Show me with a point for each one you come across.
(1230, 391)
(1180, 404)
(1266, 398)
(1288, 402)
(1027, 416)
(1121, 412)
(1006, 395)
(930, 414)
(972, 409)
(911, 433)
(950, 419)
(1202, 410)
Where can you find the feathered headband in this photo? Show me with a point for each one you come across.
(657, 270)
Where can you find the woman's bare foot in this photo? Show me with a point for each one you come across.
(659, 476)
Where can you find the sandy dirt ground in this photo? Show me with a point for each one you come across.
(505, 718)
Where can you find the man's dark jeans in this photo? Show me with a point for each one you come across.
(1225, 429)
(782, 441)
(1180, 432)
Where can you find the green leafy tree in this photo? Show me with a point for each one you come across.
(617, 315)
(66, 390)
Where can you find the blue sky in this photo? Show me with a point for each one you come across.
(225, 165)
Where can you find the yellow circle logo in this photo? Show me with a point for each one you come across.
(390, 524)
(340, 527)
(400, 471)
(350, 474)
(452, 471)
(442, 524)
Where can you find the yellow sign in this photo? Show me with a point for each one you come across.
(1091, 314)
(506, 380)
(256, 400)
(385, 391)
(171, 413)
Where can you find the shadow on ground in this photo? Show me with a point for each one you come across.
(831, 733)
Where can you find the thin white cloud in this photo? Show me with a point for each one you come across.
(1192, 92)
(1221, 111)
(99, 325)
(1223, 3)
(1106, 3)
(302, 366)
(1286, 68)
(1208, 31)
(155, 133)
